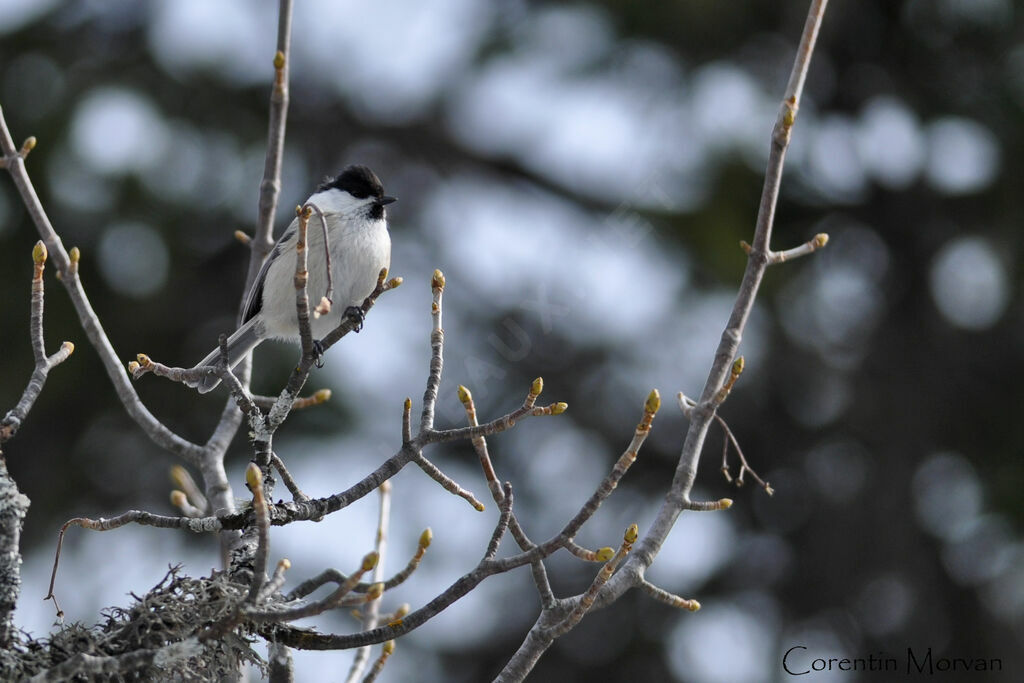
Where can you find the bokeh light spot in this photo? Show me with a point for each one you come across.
(133, 259)
(969, 283)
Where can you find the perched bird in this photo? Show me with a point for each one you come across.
(360, 246)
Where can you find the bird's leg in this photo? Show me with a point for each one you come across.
(356, 316)
(318, 353)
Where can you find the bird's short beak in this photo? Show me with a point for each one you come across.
(386, 200)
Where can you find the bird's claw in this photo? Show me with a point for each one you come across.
(356, 317)
(318, 353)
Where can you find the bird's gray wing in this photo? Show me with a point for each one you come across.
(254, 301)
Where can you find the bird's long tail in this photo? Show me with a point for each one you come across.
(240, 343)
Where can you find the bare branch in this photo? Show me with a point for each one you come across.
(301, 281)
(324, 307)
(587, 600)
(286, 477)
(446, 482)
(254, 478)
(540, 575)
(678, 498)
(378, 666)
(407, 421)
(14, 163)
(184, 481)
(318, 397)
(43, 363)
(437, 283)
(276, 581)
(270, 186)
(608, 484)
(334, 576)
(279, 664)
(372, 611)
(503, 521)
(332, 601)
(687, 404)
(201, 525)
(668, 598)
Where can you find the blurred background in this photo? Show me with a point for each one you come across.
(583, 173)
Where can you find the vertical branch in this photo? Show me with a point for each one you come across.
(43, 364)
(270, 186)
(301, 280)
(371, 613)
(13, 503)
(280, 667)
(212, 466)
(437, 283)
(254, 478)
(13, 508)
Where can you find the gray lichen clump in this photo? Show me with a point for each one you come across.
(175, 610)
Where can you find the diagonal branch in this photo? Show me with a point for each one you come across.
(701, 415)
(67, 266)
(678, 497)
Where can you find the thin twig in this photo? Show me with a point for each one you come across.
(378, 666)
(276, 581)
(185, 482)
(319, 397)
(485, 568)
(539, 571)
(43, 363)
(586, 601)
(270, 185)
(302, 281)
(503, 521)
(372, 611)
(446, 482)
(287, 478)
(437, 283)
(334, 576)
(254, 478)
(668, 598)
(744, 465)
(201, 525)
(332, 601)
(622, 465)
(324, 307)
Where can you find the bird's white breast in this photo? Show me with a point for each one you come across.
(359, 248)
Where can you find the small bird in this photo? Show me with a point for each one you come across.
(353, 206)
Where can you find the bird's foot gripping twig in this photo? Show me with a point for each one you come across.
(356, 315)
(318, 353)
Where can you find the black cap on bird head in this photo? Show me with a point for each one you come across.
(360, 182)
